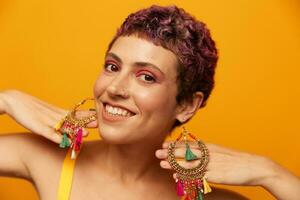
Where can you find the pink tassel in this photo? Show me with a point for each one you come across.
(179, 188)
(199, 183)
(78, 140)
(188, 197)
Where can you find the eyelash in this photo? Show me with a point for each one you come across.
(153, 79)
(106, 67)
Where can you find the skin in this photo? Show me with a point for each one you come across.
(131, 158)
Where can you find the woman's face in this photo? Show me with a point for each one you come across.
(136, 91)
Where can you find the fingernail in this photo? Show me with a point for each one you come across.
(157, 153)
(162, 163)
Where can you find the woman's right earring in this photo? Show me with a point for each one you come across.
(72, 128)
(191, 183)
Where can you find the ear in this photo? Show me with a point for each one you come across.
(188, 108)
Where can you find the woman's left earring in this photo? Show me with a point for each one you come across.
(72, 129)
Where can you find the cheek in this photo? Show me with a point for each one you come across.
(155, 100)
(99, 85)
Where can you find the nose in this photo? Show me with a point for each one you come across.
(118, 88)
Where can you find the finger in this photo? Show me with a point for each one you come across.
(165, 164)
(78, 115)
(192, 144)
(211, 147)
(187, 165)
(84, 113)
(85, 132)
(175, 176)
(161, 153)
(178, 153)
(92, 124)
(52, 135)
(220, 149)
(36, 100)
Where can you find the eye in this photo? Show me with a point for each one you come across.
(111, 67)
(147, 78)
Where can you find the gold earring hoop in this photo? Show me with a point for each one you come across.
(72, 129)
(83, 121)
(190, 182)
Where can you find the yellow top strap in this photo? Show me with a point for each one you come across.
(65, 183)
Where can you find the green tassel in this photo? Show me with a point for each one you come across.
(65, 142)
(200, 197)
(189, 155)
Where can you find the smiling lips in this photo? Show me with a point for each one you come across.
(115, 113)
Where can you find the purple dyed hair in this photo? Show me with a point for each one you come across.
(189, 39)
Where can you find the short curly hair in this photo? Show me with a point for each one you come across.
(189, 39)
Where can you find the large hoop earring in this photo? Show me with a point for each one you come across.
(72, 129)
(190, 182)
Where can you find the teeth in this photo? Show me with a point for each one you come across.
(119, 112)
(116, 111)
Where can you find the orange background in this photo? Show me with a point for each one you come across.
(54, 50)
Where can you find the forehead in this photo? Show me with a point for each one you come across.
(134, 49)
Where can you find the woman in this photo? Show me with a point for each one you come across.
(158, 72)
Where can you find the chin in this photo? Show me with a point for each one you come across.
(113, 135)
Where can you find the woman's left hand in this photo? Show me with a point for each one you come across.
(226, 166)
(231, 167)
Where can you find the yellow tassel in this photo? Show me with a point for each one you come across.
(206, 186)
(59, 124)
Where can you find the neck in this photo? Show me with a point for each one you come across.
(130, 163)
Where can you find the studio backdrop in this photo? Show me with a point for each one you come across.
(55, 49)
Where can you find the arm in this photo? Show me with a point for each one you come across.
(11, 162)
(280, 182)
(231, 167)
(18, 152)
(36, 115)
(30, 112)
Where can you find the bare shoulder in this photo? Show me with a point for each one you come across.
(41, 153)
(223, 194)
(37, 150)
(42, 158)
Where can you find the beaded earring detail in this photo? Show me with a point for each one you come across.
(190, 183)
(72, 129)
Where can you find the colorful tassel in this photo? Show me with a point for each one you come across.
(188, 197)
(179, 188)
(59, 125)
(206, 186)
(194, 194)
(189, 155)
(65, 141)
(78, 140)
(73, 154)
(200, 197)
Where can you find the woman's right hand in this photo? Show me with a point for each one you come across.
(36, 115)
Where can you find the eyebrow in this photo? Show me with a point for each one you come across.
(137, 64)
